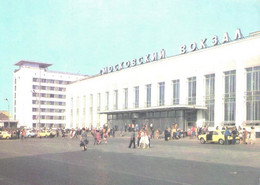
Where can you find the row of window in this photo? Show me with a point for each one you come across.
(49, 110)
(36, 102)
(45, 95)
(49, 88)
(156, 114)
(44, 117)
(51, 81)
(161, 102)
(49, 125)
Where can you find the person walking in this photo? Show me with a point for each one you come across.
(226, 135)
(132, 140)
(252, 137)
(245, 136)
(234, 135)
(83, 139)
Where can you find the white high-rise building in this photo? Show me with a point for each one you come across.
(40, 95)
(214, 83)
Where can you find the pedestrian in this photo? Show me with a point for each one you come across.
(245, 136)
(252, 137)
(144, 140)
(105, 135)
(234, 135)
(18, 133)
(125, 127)
(227, 133)
(132, 140)
(139, 137)
(193, 132)
(57, 132)
(83, 139)
(98, 137)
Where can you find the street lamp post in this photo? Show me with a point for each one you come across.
(8, 112)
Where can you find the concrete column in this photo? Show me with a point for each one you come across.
(240, 89)
(200, 90)
(183, 91)
(168, 93)
(154, 94)
(142, 96)
(131, 97)
(219, 101)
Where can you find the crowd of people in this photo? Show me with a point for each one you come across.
(141, 137)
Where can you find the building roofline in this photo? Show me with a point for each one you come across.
(41, 65)
(208, 48)
(68, 73)
(157, 108)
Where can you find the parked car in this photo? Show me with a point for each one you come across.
(30, 133)
(46, 133)
(216, 136)
(5, 135)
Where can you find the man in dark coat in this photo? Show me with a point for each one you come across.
(132, 140)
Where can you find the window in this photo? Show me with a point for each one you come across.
(230, 97)
(161, 93)
(253, 94)
(192, 91)
(91, 100)
(126, 98)
(176, 91)
(210, 99)
(148, 95)
(116, 99)
(98, 101)
(136, 97)
(107, 101)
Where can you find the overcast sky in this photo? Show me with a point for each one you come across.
(83, 36)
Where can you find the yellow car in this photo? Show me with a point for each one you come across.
(216, 136)
(5, 135)
(45, 133)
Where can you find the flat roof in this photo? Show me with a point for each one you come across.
(40, 64)
(159, 108)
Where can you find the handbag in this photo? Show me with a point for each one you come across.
(86, 141)
(81, 143)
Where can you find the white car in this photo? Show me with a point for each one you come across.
(30, 133)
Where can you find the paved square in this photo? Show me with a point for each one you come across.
(61, 161)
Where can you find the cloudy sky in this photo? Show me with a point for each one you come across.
(83, 36)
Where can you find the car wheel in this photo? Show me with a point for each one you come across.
(221, 141)
(29, 136)
(237, 141)
(202, 141)
(7, 137)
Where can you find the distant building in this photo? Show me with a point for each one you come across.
(6, 121)
(40, 95)
(212, 86)
(4, 115)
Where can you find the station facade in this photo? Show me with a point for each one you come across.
(213, 86)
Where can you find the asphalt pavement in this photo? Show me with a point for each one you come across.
(177, 162)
